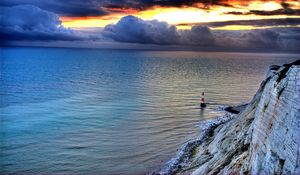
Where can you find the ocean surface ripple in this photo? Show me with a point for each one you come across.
(89, 111)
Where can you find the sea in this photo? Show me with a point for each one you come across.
(105, 111)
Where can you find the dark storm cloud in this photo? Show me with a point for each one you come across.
(81, 8)
(258, 23)
(198, 35)
(27, 22)
(290, 39)
(131, 29)
(144, 4)
(283, 11)
(285, 39)
(276, 12)
(135, 30)
(76, 8)
(261, 38)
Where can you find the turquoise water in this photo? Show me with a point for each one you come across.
(88, 111)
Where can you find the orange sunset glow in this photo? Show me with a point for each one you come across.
(188, 14)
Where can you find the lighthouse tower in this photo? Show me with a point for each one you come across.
(202, 103)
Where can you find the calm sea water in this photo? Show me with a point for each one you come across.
(88, 111)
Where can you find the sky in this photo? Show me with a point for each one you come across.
(213, 25)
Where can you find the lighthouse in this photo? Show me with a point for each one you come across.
(202, 103)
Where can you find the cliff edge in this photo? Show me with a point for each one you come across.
(264, 138)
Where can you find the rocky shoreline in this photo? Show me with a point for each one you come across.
(181, 159)
(261, 137)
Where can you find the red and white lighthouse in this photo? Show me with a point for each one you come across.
(202, 103)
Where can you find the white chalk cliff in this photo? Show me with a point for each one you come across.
(264, 138)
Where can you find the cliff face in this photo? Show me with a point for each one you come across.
(275, 131)
(264, 138)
